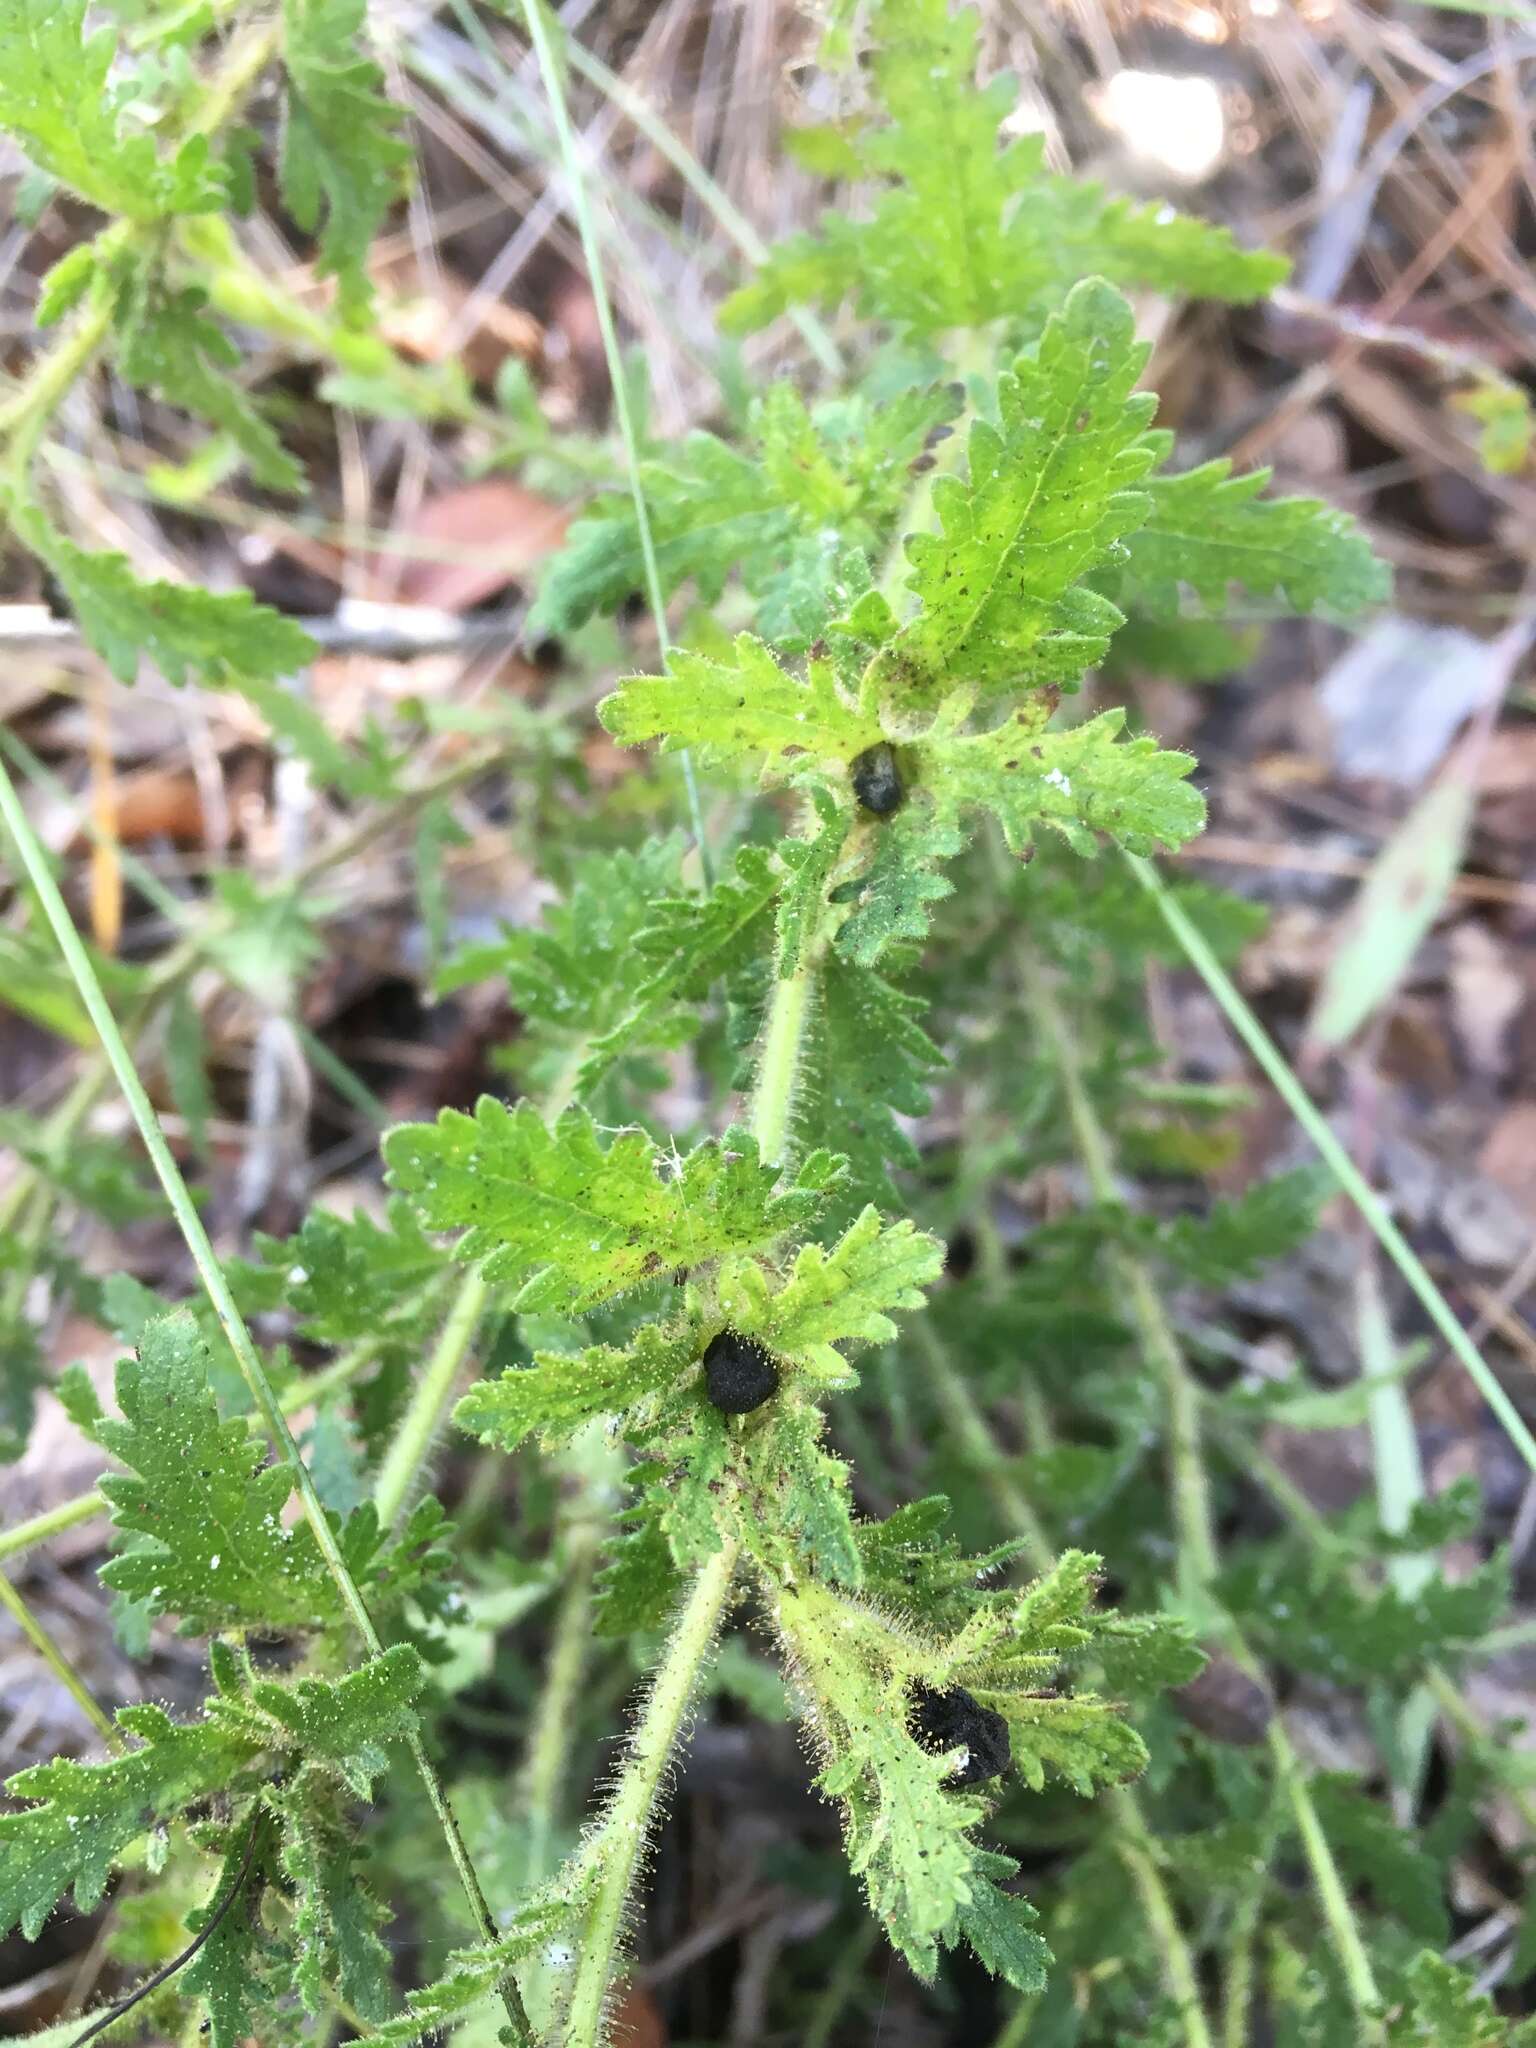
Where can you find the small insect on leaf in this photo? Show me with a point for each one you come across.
(941, 1721)
(739, 1375)
(877, 780)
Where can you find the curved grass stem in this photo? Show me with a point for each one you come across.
(58, 1663)
(591, 1471)
(217, 1288)
(1344, 1170)
(591, 248)
(413, 1441)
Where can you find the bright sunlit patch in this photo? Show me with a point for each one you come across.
(1175, 123)
(1204, 23)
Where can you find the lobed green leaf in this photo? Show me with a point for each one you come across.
(170, 346)
(219, 638)
(801, 1513)
(81, 1818)
(85, 1816)
(343, 160)
(560, 1392)
(687, 945)
(1002, 1931)
(807, 490)
(1051, 490)
(59, 98)
(1076, 1737)
(847, 1294)
(347, 1278)
(231, 1975)
(1445, 2009)
(570, 1221)
(579, 973)
(1208, 531)
(748, 705)
(1080, 782)
(969, 232)
(907, 1836)
(203, 1516)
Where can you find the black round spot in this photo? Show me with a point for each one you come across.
(940, 1721)
(876, 780)
(739, 1375)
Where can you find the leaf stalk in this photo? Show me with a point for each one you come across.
(779, 1064)
(618, 1842)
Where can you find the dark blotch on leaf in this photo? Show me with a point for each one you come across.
(940, 1721)
(739, 1375)
(877, 780)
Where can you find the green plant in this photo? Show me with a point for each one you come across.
(929, 559)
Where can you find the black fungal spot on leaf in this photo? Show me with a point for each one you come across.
(877, 780)
(739, 1375)
(941, 1721)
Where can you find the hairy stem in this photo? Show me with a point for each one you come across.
(1139, 1855)
(25, 416)
(779, 1064)
(1237, 1986)
(979, 1447)
(217, 1288)
(241, 291)
(1181, 1402)
(434, 1390)
(60, 1127)
(69, 1514)
(1328, 1886)
(239, 74)
(1245, 1915)
(617, 1845)
(1016, 2028)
